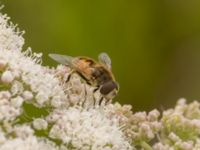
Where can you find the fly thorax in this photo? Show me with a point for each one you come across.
(101, 75)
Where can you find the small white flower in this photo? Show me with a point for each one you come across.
(57, 133)
(41, 98)
(5, 94)
(7, 77)
(185, 145)
(153, 115)
(160, 146)
(17, 88)
(145, 130)
(156, 126)
(139, 116)
(181, 102)
(40, 124)
(23, 131)
(56, 101)
(17, 102)
(74, 99)
(174, 137)
(27, 95)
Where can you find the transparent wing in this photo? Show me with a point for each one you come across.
(63, 59)
(105, 59)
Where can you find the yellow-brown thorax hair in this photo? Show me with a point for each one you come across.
(94, 73)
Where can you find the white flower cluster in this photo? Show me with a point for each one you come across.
(24, 140)
(88, 126)
(175, 129)
(10, 37)
(180, 127)
(139, 128)
(39, 110)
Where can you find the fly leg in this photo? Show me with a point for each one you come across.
(86, 102)
(85, 94)
(101, 100)
(94, 98)
(70, 75)
(96, 89)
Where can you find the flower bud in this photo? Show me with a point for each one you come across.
(7, 77)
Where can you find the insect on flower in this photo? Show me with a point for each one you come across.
(96, 74)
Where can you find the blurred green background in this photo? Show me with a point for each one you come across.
(154, 45)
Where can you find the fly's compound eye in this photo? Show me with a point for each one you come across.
(108, 87)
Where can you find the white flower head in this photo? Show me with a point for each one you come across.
(17, 101)
(7, 77)
(30, 143)
(40, 124)
(27, 95)
(83, 129)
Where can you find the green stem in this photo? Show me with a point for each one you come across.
(145, 145)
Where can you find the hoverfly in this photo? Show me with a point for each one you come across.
(96, 74)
